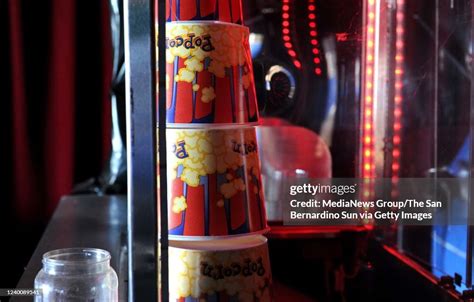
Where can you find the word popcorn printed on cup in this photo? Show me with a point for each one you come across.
(239, 275)
(245, 148)
(190, 41)
(248, 268)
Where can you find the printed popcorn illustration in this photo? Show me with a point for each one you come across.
(243, 275)
(209, 74)
(217, 170)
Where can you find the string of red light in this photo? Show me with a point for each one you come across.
(398, 93)
(313, 33)
(286, 32)
(368, 166)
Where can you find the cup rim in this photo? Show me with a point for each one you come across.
(206, 22)
(221, 244)
(101, 256)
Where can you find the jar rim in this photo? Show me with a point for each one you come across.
(73, 256)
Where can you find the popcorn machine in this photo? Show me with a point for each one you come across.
(366, 89)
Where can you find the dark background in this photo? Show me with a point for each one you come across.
(55, 70)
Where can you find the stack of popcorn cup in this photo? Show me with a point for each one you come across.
(216, 210)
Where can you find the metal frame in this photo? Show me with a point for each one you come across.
(142, 215)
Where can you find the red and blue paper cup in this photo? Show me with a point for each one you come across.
(209, 76)
(214, 184)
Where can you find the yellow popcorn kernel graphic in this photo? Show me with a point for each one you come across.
(195, 87)
(198, 29)
(181, 268)
(217, 69)
(204, 146)
(181, 52)
(228, 190)
(191, 177)
(210, 164)
(200, 54)
(179, 30)
(194, 64)
(239, 184)
(186, 75)
(179, 204)
(191, 138)
(208, 94)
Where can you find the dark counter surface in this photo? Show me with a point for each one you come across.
(84, 221)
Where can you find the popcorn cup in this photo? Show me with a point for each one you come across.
(214, 184)
(209, 77)
(223, 271)
(212, 10)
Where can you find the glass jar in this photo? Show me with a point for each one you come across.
(77, 274)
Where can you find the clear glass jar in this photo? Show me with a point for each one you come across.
(77, 274)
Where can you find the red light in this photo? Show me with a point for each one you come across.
(285, 23)
(311, 7)
(285, 15)
(396, 153)
(395, 167)
(286, 31)
(398, 99)
(318, 71)
(367, 153)
(312, 16)
(314, 42)
(396, 139)
(312, 24)
(297, 63)
(286, 7)
(288, 45)
(313, 33)
(315, 51)
(317, 61)
(397, 126)
(367, 139)
(286, 38)
(397, 112)
(292, 53)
